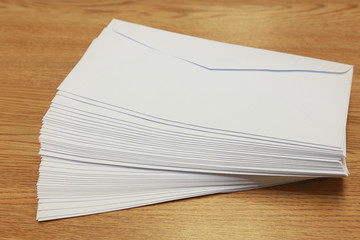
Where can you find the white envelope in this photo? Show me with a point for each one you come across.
(167, 77)
(149, 116)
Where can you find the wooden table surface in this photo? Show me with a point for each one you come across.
(40, 42)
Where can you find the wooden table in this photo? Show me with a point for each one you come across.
(40, 42)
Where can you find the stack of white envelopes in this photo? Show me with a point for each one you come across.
(149, 116)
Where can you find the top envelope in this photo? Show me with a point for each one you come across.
(203, 84)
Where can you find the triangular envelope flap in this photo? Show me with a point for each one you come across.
(214, 55)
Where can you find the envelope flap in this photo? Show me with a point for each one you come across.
(214, 55)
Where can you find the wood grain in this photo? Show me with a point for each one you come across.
(40, 42)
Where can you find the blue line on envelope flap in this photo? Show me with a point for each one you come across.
(230, 69)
